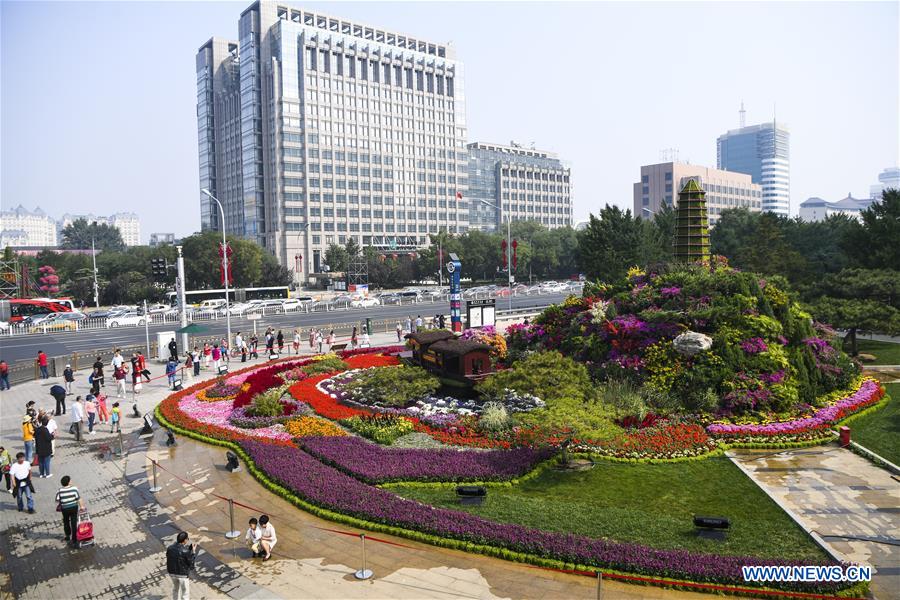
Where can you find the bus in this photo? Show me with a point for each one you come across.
(19, 309)
(234, 295)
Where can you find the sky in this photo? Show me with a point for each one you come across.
(98, 99)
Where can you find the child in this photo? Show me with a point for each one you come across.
(254, 533)
(115, 418)
(90, 407)
(102, 410)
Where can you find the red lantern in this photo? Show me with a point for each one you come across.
(515, 258)
(503, 253)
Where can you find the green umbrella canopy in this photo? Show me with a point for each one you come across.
(192, 328)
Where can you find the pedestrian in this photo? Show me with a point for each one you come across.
(189, 362)
(59, 394)
(238, 341)
(77, 413)
(365, 339)
(267, 538)
(216, 357)
(296, 342)
(68, 378)
(207, 354)
(98, 365)
(330, 340)
(28, 436)
(90, 409)
(223, 348)
(117, 360)
(69, 501)
(407, 325)
(5, 464)
(195, 356)
(142, 366)
(312, 339)
(254, 347)
(179, 562)
(270, 341)
(320, 339)
(43, 444)
(102, 409)
(20, 472)
(135, 371)
(115, 418)
(280, 339)
(354, 337)
(526, 321)
(4, 375)
(42, 363)
(418, 323)
(252, 537)
(119, 376)
(399, 332)
(94, 380)
(173, 349)
(441, 321)
(172, 370)
(243, 351)
(32, 412)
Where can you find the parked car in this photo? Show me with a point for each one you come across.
(434, 294)
(410, 295)
(304, 300)
(128, 319)
(154, 309)
(67, 321)
(270, 306)
(290, 304)
(365, 302)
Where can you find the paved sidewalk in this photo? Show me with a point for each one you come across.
(853, 505)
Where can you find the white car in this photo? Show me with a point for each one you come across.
(365, 302)
(128, 320)
(291, 304)
(157, 308)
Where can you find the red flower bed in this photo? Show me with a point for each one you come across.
(326, 406)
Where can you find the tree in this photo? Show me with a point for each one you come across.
(272, 273)
(337, 258)
(352, 247)
(610, 244)
(78, 235)
(657, 237)
(860, 300)
(875, 242)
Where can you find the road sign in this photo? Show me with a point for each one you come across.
(254, 317)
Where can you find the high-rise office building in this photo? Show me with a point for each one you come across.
(22, 227)
(887, 179)
(660, 184)
(763, 152)
(314, 129)
(526, 184)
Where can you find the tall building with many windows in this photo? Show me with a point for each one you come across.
(660, 184)
(22, 227)
(314, 129)
(763, 152)
(128, 224)
(526, 184)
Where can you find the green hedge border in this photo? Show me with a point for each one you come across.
(857, 591)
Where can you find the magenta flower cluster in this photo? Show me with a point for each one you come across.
(376, 464)
(867, 393)
(754, 345)
(670, 292)
(328, 488)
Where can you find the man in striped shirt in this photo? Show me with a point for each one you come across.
(69, 500)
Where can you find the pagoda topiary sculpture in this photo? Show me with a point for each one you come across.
(691, 224)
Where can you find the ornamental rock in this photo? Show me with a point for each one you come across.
(691, 343)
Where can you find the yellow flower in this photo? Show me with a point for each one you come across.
(313, 426)
(635, 272)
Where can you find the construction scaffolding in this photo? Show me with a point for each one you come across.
(9, 278)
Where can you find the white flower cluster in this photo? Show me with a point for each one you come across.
(598, 312)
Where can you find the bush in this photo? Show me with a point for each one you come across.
(380, 428)
(394, 386)
(267, 404)
(328, 364)
(494, 418)
(548, 375)
(624, 397)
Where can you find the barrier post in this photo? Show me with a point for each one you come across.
(155, 487)
(231, 533)
(121, 442)
(363, 573)
(599, 585)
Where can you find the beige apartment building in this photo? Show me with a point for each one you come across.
(660, 183)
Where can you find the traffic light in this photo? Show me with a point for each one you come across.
(158, 268)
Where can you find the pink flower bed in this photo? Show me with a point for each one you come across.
(869, 393)
(217, 413)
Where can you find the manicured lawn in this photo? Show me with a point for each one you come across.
(879, 431)
(886, 353)
(649, 504)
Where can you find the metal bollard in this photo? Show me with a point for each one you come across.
(363, 573)
(121, 442)
(599, 585)
(155, 487)
(231, 533)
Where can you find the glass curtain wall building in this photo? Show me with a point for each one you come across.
(314, 129)
(528, 184)
(763, 152)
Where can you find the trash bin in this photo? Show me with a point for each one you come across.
(368, 325)
(845, 436)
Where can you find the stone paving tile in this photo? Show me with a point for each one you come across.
(838, 495)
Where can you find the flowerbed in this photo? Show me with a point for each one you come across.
(382, 428)
(868, 392)
(292, 410)
(329, 488)
(310, 427)
(375, 464)
(663, 441)
(219, 392)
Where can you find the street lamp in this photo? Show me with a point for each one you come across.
(224, 264)
(508, 247)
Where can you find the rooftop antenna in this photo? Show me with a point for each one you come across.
(743, 114)
(668, 155)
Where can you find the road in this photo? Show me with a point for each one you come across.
(24, 348)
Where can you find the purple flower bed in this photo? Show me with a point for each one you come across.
(376, 464)
(328, 488)
(294, 409)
